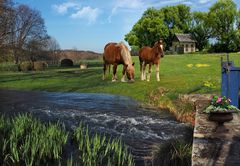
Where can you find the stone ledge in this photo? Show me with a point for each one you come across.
(212, 148)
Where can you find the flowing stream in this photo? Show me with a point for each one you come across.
(141, 128)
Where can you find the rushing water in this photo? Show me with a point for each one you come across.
(139, 127)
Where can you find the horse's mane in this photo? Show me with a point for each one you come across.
(125, 54)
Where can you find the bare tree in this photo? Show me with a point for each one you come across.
(29, 27)
(53, 48)
(6, 21)
(34, 49)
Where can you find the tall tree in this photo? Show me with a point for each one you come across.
(223, 17)
(148, 29)
(53, 48)
(200, 29)
(156, 24)
(29, 27)
(177, 19)
(6, 21)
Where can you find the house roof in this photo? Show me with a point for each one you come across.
(184, 37)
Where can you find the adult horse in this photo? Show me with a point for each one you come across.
(150, 56)
(115, 54)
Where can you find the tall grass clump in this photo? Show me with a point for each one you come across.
(173, 153)
(26, 141)
(98, 150)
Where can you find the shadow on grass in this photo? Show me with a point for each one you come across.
(67, 80)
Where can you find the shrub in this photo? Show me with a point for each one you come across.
(39, 65)
(66, 63)
(26, 66)
(8, 66)
(173, 153)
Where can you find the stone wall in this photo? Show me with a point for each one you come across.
(211, 147)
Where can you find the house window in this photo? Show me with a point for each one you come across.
(186, 49)
(192, 47)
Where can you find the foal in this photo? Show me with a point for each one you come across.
(150, 56)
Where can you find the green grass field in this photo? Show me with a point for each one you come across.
(179, 74)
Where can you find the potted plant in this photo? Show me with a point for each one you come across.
(221, 105)
(220, 110)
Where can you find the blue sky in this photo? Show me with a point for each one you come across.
(90, 24)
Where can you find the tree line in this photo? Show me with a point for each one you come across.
(217, 30)
(23, 35)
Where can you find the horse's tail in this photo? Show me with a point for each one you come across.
(140, 59)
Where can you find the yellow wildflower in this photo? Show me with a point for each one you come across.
(190, 65)
(202, 65)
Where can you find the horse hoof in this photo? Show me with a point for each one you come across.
(131, 81)
(114, 80)
(148, 80)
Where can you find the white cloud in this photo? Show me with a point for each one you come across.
(128, 4)
(64, 7)
(88, 13)
(204, 1)
(171, 2)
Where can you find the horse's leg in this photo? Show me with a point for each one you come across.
(144, 70)
(149, 72)
(104, 71)
(141, 70)
(157, 72)
(114, 73)
(124, 73)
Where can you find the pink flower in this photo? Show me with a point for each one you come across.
(219, 100)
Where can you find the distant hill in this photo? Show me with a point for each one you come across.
(76, 55)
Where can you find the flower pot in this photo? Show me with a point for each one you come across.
(220, 118)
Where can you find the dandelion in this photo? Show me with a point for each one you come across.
(189, 65)
(208, 84)
(202, 65)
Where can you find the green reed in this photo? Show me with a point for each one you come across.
(27, 141)
(24, 140)
(98, 150)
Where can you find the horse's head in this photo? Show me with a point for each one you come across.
(130, 72)
(159, 46)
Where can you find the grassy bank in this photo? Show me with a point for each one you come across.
(179, 74)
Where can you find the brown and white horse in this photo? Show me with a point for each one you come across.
(115, 54)
(150, 56)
